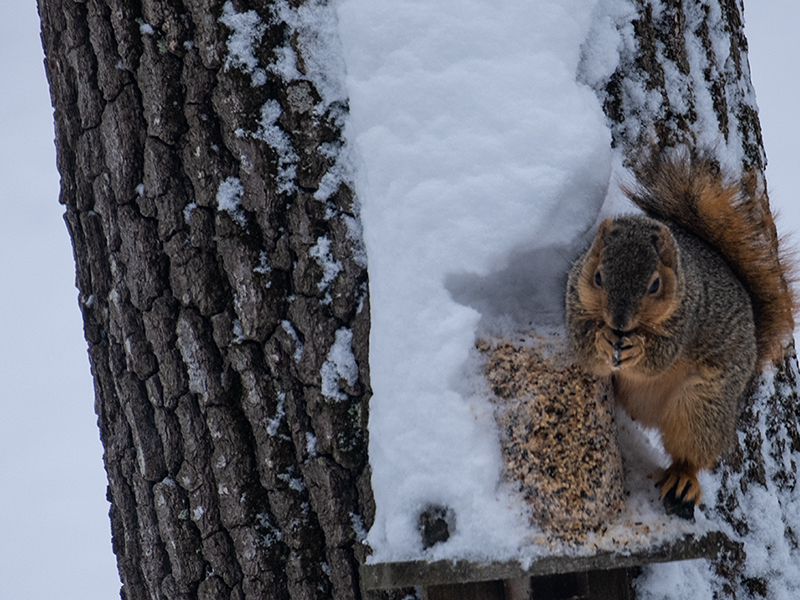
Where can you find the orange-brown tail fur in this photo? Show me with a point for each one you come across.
(734, 218)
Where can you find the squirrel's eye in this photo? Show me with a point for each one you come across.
(654, 286)
(598, 279)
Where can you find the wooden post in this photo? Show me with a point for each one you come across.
(613, 584)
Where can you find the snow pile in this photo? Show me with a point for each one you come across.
(479, 150)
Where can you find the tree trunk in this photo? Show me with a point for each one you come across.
(699, 48)
(223, 288)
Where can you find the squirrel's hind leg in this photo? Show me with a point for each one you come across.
(697, 425)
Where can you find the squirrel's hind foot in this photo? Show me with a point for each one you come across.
(680, 489)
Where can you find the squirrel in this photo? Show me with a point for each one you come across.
(682, 308)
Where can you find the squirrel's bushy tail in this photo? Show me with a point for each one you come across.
(734, 218)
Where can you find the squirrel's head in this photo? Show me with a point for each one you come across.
(629, 280)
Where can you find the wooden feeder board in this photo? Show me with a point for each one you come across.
(602, 576)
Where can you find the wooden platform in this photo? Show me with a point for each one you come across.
(445, 572)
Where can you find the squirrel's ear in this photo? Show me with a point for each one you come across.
(602, 233)
(665, 246)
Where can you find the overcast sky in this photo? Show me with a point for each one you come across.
(54, 529)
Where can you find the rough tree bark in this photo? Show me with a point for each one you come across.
(224, 294)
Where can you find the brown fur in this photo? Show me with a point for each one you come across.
(734, 218)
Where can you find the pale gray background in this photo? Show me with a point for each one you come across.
(54, 530)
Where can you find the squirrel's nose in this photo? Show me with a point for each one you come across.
(621, 315)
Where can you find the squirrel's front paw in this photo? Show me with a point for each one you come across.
(619, 349)
(604, 342)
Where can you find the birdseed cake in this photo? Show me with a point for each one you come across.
(557, 432)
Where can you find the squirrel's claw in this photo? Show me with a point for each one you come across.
(680, 489)
(617, 348)
(680, 508)
(683, 479)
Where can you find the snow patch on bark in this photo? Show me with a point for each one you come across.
(315, 28)
(340, 364)
(321, 252)
(229, 199)
(247, 29)
(298, 345)
(280, 415)
(690, 82)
